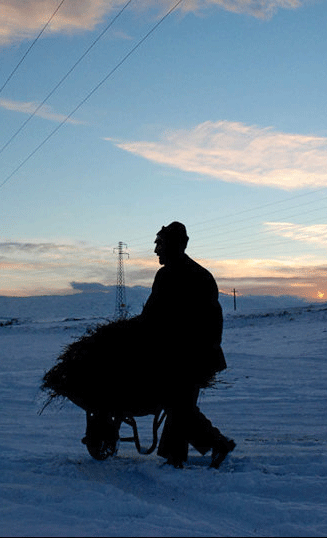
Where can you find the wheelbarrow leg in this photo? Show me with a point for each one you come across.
(157, 421)
(132, 422)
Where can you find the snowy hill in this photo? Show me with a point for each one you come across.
(100, 303)
(82, 305)
(271, 400)
(260, 303)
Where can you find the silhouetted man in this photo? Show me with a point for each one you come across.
(185, 317)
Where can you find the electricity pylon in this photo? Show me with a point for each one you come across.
(121, 308)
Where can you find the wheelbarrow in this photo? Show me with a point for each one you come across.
(102, 432)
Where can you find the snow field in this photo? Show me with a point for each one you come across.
(271, 400)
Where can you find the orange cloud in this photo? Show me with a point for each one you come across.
(34, 268)
(31, 266)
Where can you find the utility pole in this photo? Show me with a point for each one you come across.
(234, 293)
(121, 308)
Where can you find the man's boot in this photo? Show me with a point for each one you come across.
(220, 450)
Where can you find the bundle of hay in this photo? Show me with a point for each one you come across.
(102, 368)
(121, 367)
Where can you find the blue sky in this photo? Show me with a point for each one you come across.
(218, 120)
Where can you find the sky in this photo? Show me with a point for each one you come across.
(120, 117)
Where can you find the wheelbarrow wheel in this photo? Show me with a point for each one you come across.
(101, 435)
(99, 449)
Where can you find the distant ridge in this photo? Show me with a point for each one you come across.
(97, 300)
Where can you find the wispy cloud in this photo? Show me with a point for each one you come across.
(239, 153)
(119, 34)
(31, 107)
(27, 267)
(303, 276)
(35, 267)
(21, 19)
(263, 9)
(316, 234)
(261, 268)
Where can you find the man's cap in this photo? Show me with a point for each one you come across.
(175, 232)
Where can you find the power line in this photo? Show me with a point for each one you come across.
(253, 244)
(235, 246)
(226, 240)
(119, 64)
(140, 242)
(256, 208)
(65, 76)
(253, 249)
(141, 41)
(31, 46)
(229, 247)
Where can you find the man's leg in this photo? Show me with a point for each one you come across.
(173, 443)
(186, 424)
(203, 436)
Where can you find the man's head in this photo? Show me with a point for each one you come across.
(171, 242)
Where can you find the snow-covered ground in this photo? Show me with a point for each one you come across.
(271, 400)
